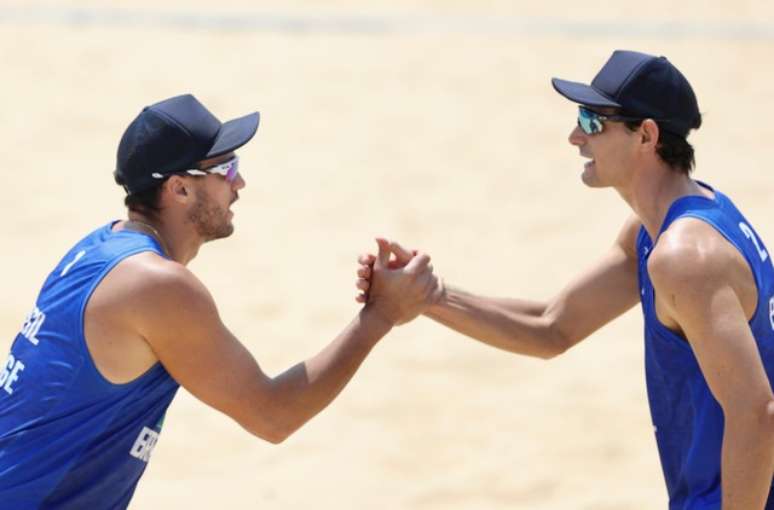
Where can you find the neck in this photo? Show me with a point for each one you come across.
(653, 190)
(177, 244)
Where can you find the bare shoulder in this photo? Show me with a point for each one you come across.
(692, 256)
(147, 288)
(627, 236)
(147, 274)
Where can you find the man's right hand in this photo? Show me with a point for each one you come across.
(398, 289)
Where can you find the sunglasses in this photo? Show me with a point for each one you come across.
(228, 170)
(592, 122)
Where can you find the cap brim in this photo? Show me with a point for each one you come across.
(582, 93)
(234, 134)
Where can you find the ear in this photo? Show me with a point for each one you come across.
(178, 189)
(649, 132)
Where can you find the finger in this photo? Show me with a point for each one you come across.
(396, 264)
(426, 282)
(436, 291)
(364, 271)
(383, 257)
(432, 287)
(361, 298)
(402, 255)
(362, 284)
(366, 259)
(418, 263)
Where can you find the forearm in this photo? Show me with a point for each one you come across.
(747, 461)
(518, 326)
(307, 388)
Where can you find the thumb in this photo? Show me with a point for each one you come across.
(383, 257)
(402, 255)
(419, 262)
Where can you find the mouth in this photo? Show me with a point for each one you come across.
(229, 212)
(588, 163)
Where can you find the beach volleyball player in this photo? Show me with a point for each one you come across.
(700, 271)
(120, 323)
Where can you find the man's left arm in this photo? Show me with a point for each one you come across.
(695, 274)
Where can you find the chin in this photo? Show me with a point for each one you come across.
(591, 180)
(212, 233)
(224, 232)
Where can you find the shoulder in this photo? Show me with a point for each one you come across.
(627, 236)
(148, 272)
(691, 256)
(147, 287)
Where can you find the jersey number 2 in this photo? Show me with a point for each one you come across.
(749, 234)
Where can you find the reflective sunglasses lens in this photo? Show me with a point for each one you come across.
(227, 170)
(584, 125)
(589, 121)
(233, 169)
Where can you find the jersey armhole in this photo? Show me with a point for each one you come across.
(89, 361)
(750, 264)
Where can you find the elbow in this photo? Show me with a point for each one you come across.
(766, 425)
(768, 417)
(275, 438)
(557, 341)
(273, 435)
(762, 416)
(754, 417)
(552, 352)
(547, 353)
(272, 427)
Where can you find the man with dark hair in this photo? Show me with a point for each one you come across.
(699, 269)
(672, 149)
(121, 322)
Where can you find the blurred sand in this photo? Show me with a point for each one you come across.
(450, 140)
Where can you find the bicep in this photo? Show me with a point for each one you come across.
(696, 273)
(715, 324)
(201, 354)
(597, 296)
(601, 293)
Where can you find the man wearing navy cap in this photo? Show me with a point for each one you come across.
(121, 322)
(702, 274)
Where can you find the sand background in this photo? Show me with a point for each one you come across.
(431, 122)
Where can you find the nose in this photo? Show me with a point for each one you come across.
(239, 182)
(577, 136)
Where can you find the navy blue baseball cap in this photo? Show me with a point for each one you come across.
(173, 135)
(639, 85)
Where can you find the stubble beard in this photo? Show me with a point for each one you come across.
(209, 219)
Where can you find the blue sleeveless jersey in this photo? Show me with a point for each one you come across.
(687, 419)
(69, 438)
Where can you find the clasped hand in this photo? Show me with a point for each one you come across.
(398, 283)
